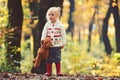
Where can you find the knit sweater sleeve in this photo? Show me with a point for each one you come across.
(63, 35)
(44, 32)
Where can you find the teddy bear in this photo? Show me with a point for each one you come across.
(42, 52)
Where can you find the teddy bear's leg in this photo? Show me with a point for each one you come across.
(49, 69)
(37, 63)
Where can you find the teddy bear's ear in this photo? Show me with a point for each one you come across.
(48, 45)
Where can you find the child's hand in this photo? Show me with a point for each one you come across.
(41, 42)
(62, 46)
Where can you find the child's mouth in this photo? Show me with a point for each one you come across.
(50, 18)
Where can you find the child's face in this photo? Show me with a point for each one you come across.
(52, 16)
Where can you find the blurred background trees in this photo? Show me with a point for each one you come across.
(113, 8)
(84, 21)
(13, 37)
(70, 19)
(11, 20)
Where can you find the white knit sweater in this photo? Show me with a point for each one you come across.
(57, 33)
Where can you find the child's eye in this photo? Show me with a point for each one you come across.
(52, 14)
(48, 14)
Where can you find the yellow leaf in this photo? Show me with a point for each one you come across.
(18, 49)
(114, 4)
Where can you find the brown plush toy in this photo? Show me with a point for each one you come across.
(42, 52)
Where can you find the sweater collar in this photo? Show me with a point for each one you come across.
(53, 23)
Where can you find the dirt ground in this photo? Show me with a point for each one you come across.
(20, 76)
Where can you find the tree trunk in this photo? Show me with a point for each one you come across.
(114, 10)
(70, 20)
(44, 5)
(13, 36)
(96, 12)
(90, 31)
(34, 7)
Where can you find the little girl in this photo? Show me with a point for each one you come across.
(55, 30)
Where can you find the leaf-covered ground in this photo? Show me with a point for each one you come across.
(76, 60)
(20, 76)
